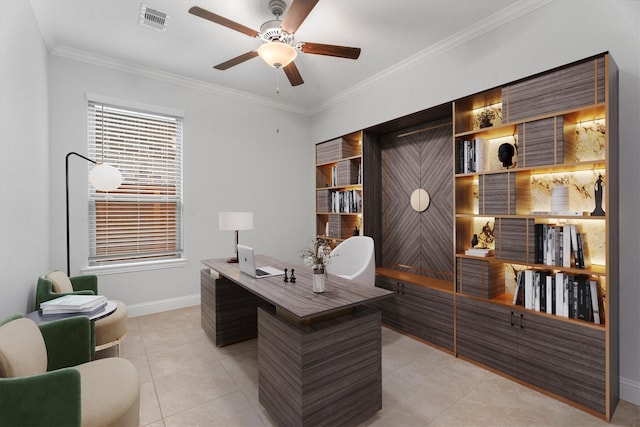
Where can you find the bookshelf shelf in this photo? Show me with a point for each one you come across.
(562, 126)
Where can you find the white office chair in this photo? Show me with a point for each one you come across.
(354, 259)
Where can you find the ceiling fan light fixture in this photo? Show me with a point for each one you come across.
(277, 54)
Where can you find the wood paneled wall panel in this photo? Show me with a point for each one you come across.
(421, 240)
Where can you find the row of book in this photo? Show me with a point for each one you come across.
(334, 175)
(469, 155)
(560, 245)
(348, 201)
(572, 296)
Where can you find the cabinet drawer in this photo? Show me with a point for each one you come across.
(479, 278)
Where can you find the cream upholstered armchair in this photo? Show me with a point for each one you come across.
(354, 259)
(47, 378)
(108, 331)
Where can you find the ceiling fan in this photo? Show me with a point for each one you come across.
(278, 48)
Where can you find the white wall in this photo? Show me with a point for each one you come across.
(556, 34)
(24, 153)
(233, 160)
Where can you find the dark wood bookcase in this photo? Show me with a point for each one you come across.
(563, 125)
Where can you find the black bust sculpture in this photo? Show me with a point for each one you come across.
(505, 154)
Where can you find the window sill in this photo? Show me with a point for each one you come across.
(135, 266)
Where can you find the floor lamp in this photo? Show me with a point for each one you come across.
(235, 221)
(103, 177)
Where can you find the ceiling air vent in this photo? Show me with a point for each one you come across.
(153, 18)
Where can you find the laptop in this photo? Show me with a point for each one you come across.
(247, 262)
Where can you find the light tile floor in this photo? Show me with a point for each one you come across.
(185, 380)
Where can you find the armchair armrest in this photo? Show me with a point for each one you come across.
(52, 398)
(88, 282)
(69, 342)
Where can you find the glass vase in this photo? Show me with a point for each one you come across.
(318, 280)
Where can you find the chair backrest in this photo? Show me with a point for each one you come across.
(22, 349)
(354, 259)
(60, 282)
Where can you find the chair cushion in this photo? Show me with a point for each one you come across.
(60, 282)
(110, 393)
(22, 349)
(112, 327)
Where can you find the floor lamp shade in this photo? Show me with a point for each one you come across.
(105, 177)
(235, 221)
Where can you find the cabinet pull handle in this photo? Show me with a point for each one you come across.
(521, 321)
(512, 324)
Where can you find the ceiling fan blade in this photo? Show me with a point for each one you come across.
(237, 60)
(221, 20)
(296, 14)
(331, 50)
(293, 74)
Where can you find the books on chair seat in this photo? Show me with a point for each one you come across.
(73, 304)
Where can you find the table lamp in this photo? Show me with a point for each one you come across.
(236, 221)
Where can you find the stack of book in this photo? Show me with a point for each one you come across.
(483, 252)
(73, 304)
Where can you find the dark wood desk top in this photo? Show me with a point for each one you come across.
(298, 298)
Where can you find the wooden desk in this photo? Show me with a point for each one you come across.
(319, 354)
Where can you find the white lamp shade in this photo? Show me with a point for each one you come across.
(277, 54)
(236, 220)
(105, 177)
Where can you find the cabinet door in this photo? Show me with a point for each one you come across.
(488, 334)
(564, 358)
(428, 314)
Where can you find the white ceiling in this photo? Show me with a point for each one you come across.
(391, 35)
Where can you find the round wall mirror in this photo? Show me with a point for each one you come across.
(420, 200)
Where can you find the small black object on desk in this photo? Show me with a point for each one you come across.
(286, 279)
(293, 276)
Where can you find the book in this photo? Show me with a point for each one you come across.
(517, 295)
(73, 304)
(484, 252)
(528, 289)
(479, 151)
(561, 295)
(550, 297)
(595, 301)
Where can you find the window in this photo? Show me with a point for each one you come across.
(142, 219)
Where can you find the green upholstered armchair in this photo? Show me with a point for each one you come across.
(47, 378)
(106, 332)
(56, 284)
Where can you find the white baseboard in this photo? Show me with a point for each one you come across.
(135, 310)
(630, 390)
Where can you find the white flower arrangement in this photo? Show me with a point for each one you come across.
(318, 255)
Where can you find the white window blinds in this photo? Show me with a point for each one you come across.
(141, 220)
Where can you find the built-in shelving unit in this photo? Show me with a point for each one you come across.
(339, 187)
(562, 126)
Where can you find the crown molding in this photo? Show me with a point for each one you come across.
(137, 69)
(502, 17)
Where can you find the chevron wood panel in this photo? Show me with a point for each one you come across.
(419, 159)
